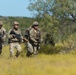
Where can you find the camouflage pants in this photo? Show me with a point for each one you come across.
(31, 48)
(13, 46)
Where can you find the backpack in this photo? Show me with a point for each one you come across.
(27, 33)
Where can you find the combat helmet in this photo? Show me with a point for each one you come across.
(1, 23)
(35, 23)
(15, 23)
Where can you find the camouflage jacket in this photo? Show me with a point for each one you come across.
(3, 32)
(14, 39)
(35, 35)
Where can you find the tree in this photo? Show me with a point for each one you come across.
(54, 15)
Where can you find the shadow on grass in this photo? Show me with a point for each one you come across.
(49, 49)
(58, 49)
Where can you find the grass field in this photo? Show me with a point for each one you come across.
(42, 64)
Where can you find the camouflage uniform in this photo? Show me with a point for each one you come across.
(2, 35)
(34, 40)
(14, 41)
(49, 40)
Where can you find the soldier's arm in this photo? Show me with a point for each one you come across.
(25, 40)
(26, 36)
(4, 33)
(9, 35)
(31, 36)
(20, 34)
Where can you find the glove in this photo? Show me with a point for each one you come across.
(13, 36)
(35, 43)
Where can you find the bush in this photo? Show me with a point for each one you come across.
(49, 49)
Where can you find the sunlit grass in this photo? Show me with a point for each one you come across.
(42, 64)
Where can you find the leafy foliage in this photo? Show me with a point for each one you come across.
(56, 17)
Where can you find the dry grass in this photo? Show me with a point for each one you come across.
(56, 64)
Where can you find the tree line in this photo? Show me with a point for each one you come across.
(56, 17)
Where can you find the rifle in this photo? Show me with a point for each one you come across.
(18, 36)
(38, 44)
(27, 34)
(1, 37)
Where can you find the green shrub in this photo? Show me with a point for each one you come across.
(49, 49)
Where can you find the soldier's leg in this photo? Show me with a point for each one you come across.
(35, 50)
(29, 49)
(12, 49)
(0, 48)
(38, 47)
(18, 47)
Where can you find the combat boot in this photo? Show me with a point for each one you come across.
(17, 54)
(28, 54)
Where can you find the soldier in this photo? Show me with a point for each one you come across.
(49, 40)
(2, 35)
(34, 39)
(15, 39)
